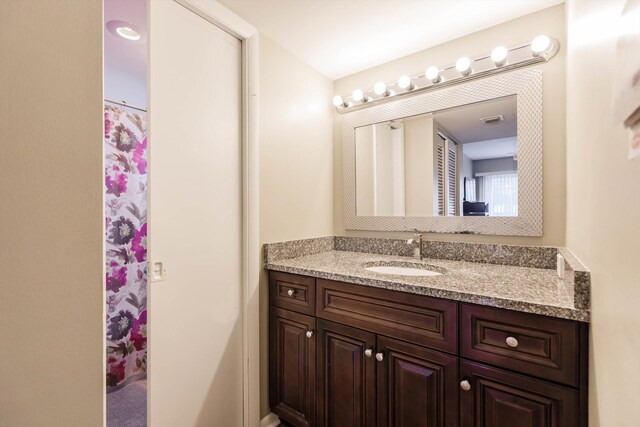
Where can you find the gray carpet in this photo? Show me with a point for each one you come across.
(127, 407)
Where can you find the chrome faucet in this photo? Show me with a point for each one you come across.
(416, 244)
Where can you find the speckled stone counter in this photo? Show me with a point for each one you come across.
(526, 289)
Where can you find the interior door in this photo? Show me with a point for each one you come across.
(195, 217)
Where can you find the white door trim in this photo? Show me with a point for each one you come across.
(248, 35)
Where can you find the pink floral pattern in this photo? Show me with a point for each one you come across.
(125, 180)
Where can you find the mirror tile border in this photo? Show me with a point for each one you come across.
(527, 86)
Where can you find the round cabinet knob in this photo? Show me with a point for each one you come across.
(512, 342)
(368, 352)
(290, 292)
(379, 357)
(309, 334)
(465, 385)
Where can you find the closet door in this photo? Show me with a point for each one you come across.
(195, 313)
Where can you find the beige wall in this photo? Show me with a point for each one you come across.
(549, 21)
(602, 212)
(51, 214)
(296, 162)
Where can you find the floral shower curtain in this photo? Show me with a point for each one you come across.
(125, 140)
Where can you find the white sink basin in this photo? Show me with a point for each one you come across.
(402, 271)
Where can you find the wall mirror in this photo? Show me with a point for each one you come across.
(465, 159)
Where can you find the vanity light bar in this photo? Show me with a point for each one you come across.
(540, 49)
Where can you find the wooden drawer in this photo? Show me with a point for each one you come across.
(292, 292)
(430, 322)
(540, 346)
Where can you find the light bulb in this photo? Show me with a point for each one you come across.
(338, 101)
(463, 65)
(404, 82)
(380, 89)
(433, 74)
(128, 33)
(358, 95)
(499, 56)
(540, 44)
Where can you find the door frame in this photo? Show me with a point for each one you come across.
(223, 18)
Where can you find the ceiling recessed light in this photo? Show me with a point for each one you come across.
(125, 30)
(128, 33)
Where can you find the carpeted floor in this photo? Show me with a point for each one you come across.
(127, 407)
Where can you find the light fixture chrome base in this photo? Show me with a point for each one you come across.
(519, 56)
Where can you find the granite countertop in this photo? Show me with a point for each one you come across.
(526, 289)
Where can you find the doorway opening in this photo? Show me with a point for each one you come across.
(126, 201)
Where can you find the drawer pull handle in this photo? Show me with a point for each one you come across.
(512, 342)
(290, 292)
(309, 334)
(368, 352)
(379, 357)
(464, 385)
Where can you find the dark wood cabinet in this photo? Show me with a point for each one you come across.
(418, 319)
(346, 376)
(293, 292)
(534, 345)
(497, 398)
(292, 373)
(372, 380)
(344, 355)
(416, 386)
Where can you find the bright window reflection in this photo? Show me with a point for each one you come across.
(501, 193)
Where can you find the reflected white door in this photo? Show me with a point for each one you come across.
(195, 217)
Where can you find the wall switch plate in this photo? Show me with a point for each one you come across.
(158, 271)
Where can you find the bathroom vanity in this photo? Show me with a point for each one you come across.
(352, 347)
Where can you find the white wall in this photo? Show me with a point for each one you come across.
(365, 170)
(549, 21)
(51, 214)
(385, 163)
(603, 202)
(121, 86)
(418, 155)
(296, 162)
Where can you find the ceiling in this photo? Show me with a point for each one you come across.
(342, 37)
(464, 124)
(125, 61)
(493, 149)
(483, 140)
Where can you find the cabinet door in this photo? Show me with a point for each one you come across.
(417, 387)
(498, 398)
(346, 376)
(292, 367)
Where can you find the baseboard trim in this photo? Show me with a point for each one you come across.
(270, 420)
